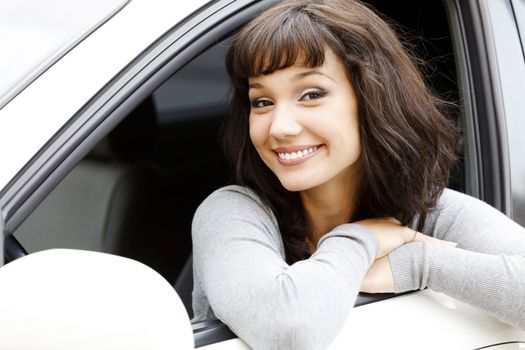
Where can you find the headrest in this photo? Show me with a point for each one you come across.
(137, 133)
(133, 138)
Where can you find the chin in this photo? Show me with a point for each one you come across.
(296, 186)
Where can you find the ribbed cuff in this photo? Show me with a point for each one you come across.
(408, 266)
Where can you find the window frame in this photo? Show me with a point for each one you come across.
(487, 168)
(509, 60)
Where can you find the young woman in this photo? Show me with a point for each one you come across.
(341, 156)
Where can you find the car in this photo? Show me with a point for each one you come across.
(109, 116)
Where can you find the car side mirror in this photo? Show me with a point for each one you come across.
(72, 299)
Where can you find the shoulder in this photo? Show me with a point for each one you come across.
(232, 205)
(453, 202)
(234, 215)
(460, 212)
(474, 225)
(233, 198)
(452, 197)
(234, 193)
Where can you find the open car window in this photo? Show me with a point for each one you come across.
(135, 193)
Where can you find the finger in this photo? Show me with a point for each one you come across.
(419, 237)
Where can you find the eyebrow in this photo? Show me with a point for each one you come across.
(303, 75)
(296, 77)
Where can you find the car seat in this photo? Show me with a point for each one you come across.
(115, 200)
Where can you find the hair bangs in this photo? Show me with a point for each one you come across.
(278, 42)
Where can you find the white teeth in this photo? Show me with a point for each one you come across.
(298, 154)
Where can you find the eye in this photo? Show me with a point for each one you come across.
(313, 95)
(260, 103)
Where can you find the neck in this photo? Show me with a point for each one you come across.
(328, 206)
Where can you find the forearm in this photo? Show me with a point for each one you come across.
(304, 305)
(494, 283)
(241, 273)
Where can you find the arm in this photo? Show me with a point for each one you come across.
(239, 259)
(487, 269)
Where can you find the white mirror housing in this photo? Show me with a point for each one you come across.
(72, 299)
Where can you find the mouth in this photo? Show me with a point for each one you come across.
(296, 154)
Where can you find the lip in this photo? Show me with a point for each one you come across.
(290, 149)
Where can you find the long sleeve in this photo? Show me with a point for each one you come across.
(486, 270)
(239, 269)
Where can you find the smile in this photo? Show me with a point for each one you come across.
(297, 154)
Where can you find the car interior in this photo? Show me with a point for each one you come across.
(135, 193)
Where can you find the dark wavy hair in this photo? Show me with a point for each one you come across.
(408, 145)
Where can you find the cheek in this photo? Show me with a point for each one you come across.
(343, 131)
(354, 142)
(258, 131)
(353, 137)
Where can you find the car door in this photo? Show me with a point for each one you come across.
(98, 112)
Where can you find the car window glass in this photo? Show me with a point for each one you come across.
(202, 83)
(135, 193)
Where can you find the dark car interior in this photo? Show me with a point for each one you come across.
(135, 194)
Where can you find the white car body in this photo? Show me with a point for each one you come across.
(73, 81)
(37, 113)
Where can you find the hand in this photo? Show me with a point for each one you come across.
(379, 278)
(391, 234)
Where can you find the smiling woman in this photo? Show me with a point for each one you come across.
(341, 155)
(373, 120)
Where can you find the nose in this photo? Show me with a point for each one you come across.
(285, 122)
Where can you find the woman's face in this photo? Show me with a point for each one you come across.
(304, 124)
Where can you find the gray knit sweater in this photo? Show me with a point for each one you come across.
(241, 277)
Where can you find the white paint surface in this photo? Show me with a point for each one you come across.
(39, 111)
(71, 299)
(422, 320)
